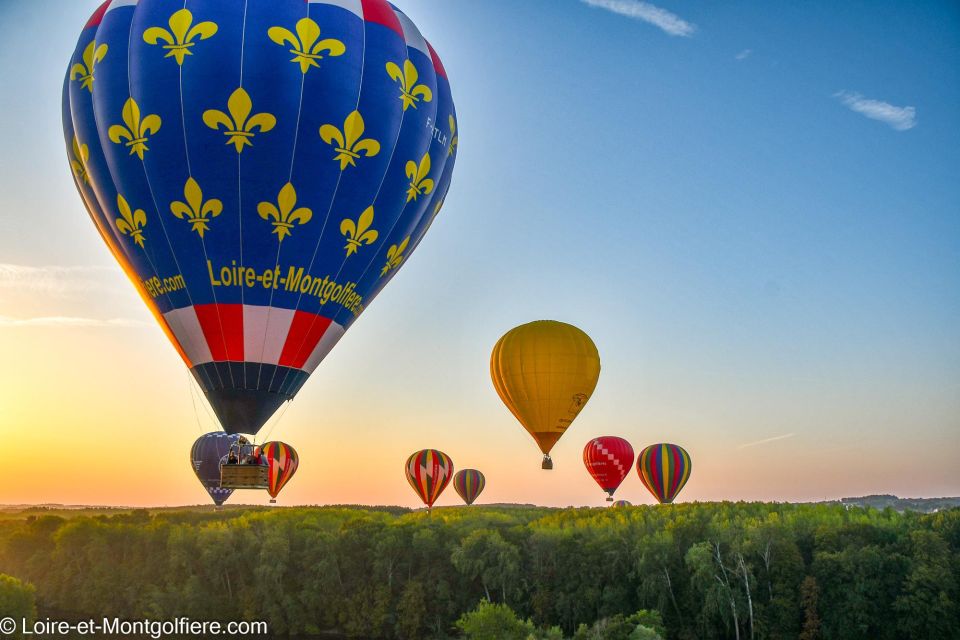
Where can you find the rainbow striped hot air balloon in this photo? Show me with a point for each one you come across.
(429, 472)
(664, 469)
(622, 503)
(282, 462)
(469, 484)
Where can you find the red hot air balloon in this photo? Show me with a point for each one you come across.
(608, 459)
(429, 472)
(282, 462)
(664, 468)
(469, 484)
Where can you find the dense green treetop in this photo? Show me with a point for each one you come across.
(697, 571)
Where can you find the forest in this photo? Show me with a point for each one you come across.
(676, 572)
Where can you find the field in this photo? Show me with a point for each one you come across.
(701, 570)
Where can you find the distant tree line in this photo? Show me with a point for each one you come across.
(741, 571)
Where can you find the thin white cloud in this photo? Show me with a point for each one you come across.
(900, 118)
(652, 14)
(766, 440)
(743, 55)
(69, 322)
(57, 280)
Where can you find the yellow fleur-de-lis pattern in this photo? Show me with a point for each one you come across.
(420, 184)
(181, 35)
(135, 131)
(131, 223)
(411, 93)
(196, 210)
(305, 45)
(81, 154)
(83, 71)
(359, 233)
(349, 142)
(284, 214)
(239, 126)
(454, 138)
(395, 256)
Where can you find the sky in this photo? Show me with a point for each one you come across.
(753, 208)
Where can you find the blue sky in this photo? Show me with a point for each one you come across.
(752, 207)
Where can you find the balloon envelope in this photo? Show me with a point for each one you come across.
(469, 483)
(664, 468)
(609, 460)
(260, 170)
(622, 503)
(428, 472)
(545, 372)
(282, 462)
(205, 458)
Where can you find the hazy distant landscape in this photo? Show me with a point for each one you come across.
(686, 571)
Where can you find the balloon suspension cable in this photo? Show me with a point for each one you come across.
(286, 405)
(195, 389)
(193, 401)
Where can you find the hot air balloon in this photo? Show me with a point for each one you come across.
(260, 170)
(664, 469)
(621, 503)
(428, 472)
(205, 456)
(281, 461)
(608, 459)
(469, 484)
(545, 372)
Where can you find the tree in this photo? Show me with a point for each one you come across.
(486, 556)
(17, 600)
(809, 593)
(494, 622)
(927, 607)
(412, 610)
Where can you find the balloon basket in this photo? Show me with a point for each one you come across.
(273, 501)
(547, 463)
(609, 498)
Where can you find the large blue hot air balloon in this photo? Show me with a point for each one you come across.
(260, 170)
(205, 456)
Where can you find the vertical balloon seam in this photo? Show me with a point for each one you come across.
(333, 199)
(160, 215)
(243, 44)
(143, 166)
(676, 468)
(680, 468)
(293, 157)
(655, 473)
(203, 242)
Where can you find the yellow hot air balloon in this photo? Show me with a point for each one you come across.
(545, 372)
